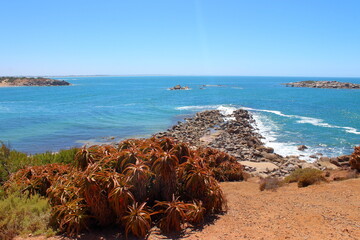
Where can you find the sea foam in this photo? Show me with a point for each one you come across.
(308, 120)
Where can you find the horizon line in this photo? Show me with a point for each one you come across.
(171, 75)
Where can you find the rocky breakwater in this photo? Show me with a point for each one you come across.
(28, 82)
(323, 84)
(237, 135)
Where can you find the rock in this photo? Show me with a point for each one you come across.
(325, 162)
(334, 161)
(263, 148)
(323, 84)
(179, 87)
(343, 158)
(271, 156)
(260, 167)
(302, 147)
(307, 165)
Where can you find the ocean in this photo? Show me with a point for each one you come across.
(97, 110)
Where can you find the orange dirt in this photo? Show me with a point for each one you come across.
(324, 211)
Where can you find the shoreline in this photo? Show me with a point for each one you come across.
(235, 132)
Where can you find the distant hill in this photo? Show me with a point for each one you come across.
(24, 81)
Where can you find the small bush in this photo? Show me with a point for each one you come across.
(270, 183)
(305, 177)
(355, 159)
(11, 160)
(20, 215)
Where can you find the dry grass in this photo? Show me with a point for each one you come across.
(305, 177)
(270, 183)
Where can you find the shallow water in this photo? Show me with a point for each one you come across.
(96, 109)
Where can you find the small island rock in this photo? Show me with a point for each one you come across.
(179, 87)
(323, 84)
(27, 82)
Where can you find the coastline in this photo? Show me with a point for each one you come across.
(235, 131)
(31, 82)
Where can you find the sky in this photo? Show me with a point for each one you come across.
(180, 37)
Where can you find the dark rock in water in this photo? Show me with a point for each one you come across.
(323, 84)
(179, 87)
(302, 147)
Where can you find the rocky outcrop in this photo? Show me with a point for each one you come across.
(323, 84)
(179, 87)
(24, 81)
(236, 135)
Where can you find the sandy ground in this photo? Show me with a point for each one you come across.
(324, 211)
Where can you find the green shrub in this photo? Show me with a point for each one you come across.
(63, 156)
(305, 176)
(11, 160)
(20, 215)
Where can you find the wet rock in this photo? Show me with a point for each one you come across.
(179, 87)
(302, 147)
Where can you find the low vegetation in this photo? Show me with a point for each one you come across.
(134, 185)
(305, 177)
(270, 183)
(11, 161)
(22, 215)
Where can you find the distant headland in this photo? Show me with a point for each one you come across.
(30, 82)
(323, 84)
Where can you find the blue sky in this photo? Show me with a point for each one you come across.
(180, 37)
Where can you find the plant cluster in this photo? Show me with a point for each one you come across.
(355, 159)
(305, 176)
(135, 184)
(11, 161)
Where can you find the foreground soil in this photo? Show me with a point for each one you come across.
(324, 211)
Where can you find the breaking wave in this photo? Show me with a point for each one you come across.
(308, 120)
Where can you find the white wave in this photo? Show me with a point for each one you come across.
(225, 110)
(352, 130)
(315, 122)
(268, 129)
(202, 107)
(269, 111)
(309, 120)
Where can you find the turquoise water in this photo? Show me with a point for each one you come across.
(95, 109)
